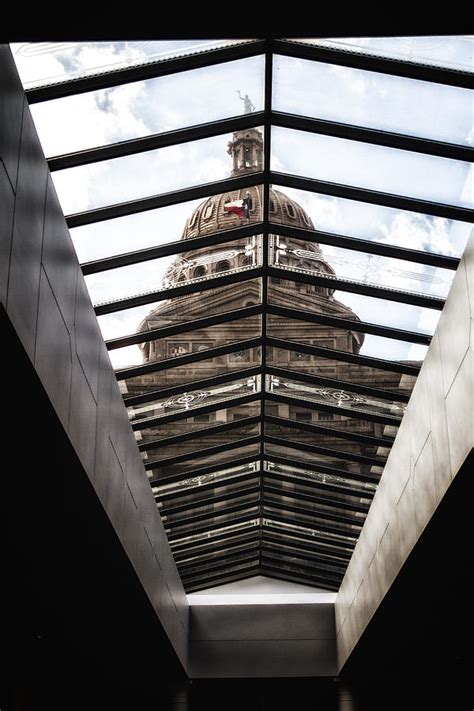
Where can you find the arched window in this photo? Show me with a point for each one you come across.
(272, 205)
(208, 211)
(290, 210)
(246, 261)
(223, 266)
(200, 271)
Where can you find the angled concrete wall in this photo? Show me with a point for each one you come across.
(257, 641)
(435, 437)
(45, 296)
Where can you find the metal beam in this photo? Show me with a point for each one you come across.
(311, 513)
(330, 432)
(323, 469)
(209, 549)
(373, 197)
(208, 527)
(213, 431)
(300, 568)
(244, 274)
(211, 561)
(316, 517)
(147, 70)
(187, 546)
(346, 324)
(171, 248)
(307, 559)
(392, 366)
(310, 547)
(356, 287)
(155, 141)
(316, 535)
(308, 564)
(373, 136)
(131, 207)
(384, 65)
(211, 581)
(326, 382)
(207, 452)
(182, 327)
(219, 566)
(210, 486)
(274, 571)
(168, 363)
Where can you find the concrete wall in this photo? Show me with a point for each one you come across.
(45, 296)
(435, 437)
(245, 641)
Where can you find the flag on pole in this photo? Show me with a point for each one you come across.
(238, 207)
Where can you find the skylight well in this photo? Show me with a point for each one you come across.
(268, 230)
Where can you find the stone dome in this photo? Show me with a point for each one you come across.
(210, 217)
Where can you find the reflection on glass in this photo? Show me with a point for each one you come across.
(372, 167)
(138, 109)
(290, 451)
(320, 478)
(189, 401)
(381, 224)
(332, 538)
(192, 267)
(455, 52)
(181, 530)
(380, 101)
(335, 397)
(50, 62)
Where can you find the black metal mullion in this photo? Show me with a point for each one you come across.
(293, 567)
(152, 202)
(373, 63)
(314, 498)
(210, 486)
(311, 513)
(155, 141)
(373, 197)
(308, 546)
(169, 363)
(315, 379)
(184, 327)
(307, 561)
(320, 520)
(329, 432)
(272, 570)
(193, 503)
(207, 452)
(244, 274)
(373, 136)
(392, 366)
(210, 563)
(334, 409)
(196, 434)
(324, 469)
(147, 70)
(314, 484)
(210, 516)
(211, 581)
(351, 457)
(185, 414)
(317, 534)
(202, 471)
(209, 549)
(180, 547)
(196, 575)
(355, 287)
(208, 527)
(346, 324)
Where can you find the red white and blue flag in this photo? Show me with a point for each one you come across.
(238, 207)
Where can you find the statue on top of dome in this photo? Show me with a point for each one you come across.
(248, 106)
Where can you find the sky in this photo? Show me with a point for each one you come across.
(312, 89)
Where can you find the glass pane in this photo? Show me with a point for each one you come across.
(455, 52)
(319, 479)
(341, 529)
(224, 459)
(359, 267)
(332, 539)
(367, 308)
(192, 267)
(344, 400)
(189, 401)
(372, 167)
(202, 556)
(380, 224)
(379, 101)
(145, 174)
(193, 484)
(51, 62)
(141, 108)
(211, 508)
(224, 520)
